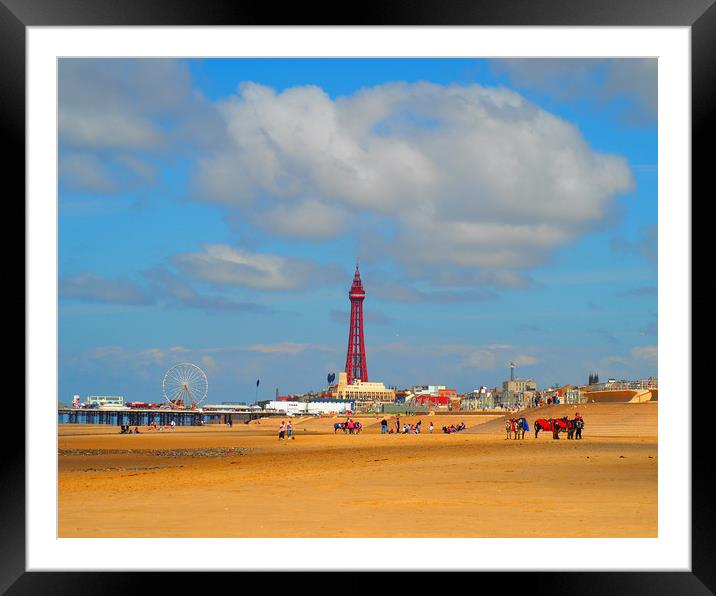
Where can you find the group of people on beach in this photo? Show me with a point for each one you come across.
(551, 400)
(404, 429)
(285, 431)
(399, 429)
(125, 429)
(155, 426)
(451, 428)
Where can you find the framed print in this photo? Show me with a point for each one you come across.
(394, 295)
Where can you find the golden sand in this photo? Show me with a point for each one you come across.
(468, 484)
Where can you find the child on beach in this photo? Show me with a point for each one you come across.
(289, 430)
(282, 430)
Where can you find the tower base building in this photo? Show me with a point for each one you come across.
(366, 395)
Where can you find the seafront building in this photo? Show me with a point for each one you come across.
(297, 408)
(519, 385)
(479, 399)
(435, 396)
(366, 395)
(105, 400)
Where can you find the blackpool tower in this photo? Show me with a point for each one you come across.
(356, 367)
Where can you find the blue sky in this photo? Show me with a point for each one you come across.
(212, 211)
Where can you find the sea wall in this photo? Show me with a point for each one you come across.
(621, 396)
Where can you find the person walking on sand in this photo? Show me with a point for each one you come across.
(289, 430)
(383, 426)
(431, 427)
(579, 424)
(282, 430)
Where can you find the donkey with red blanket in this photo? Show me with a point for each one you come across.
(554, 425)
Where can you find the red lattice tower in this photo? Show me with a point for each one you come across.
(356, 367)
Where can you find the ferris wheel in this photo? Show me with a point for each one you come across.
(185, 386)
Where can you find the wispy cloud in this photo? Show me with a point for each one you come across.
(486, 357)
(606, 81)
(171, 289)
(91, 287)
(645, 244)
(645, 352)
(226, 265)
(525, 360)
(288, 348)
(607, 335)
(404, 292)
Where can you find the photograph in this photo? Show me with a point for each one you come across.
(358, 297)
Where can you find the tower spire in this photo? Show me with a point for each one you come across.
(356, 367)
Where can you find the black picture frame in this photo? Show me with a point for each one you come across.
(699, 15)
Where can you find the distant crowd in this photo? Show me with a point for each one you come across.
(404, 429)
(453, 428)
(126, 429)
(397, 428)
(552, 400)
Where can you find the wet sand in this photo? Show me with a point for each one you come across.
(244, 482)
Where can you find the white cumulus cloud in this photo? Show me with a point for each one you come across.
(467, 176)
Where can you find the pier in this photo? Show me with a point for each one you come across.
(145, 417)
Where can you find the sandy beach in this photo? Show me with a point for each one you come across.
(217, 481)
